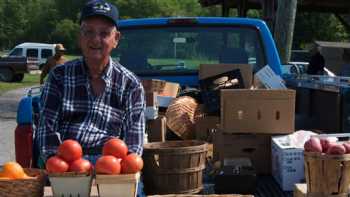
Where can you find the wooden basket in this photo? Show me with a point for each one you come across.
(24, 187)
(174, 167)
(327, 175)
(71, 184)
(123, 185)
(181, 116)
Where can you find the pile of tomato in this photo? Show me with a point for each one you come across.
(68, 159)
(114, 160)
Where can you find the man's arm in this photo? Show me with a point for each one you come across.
(135, 120)
(47, 135)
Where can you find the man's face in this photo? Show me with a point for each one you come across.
(98, 37)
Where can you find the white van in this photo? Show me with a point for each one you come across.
(40, 51)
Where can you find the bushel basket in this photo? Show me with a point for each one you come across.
(327, 175)
(174, 167)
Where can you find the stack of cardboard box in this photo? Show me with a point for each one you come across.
(248, 118)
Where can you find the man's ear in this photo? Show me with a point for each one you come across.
(117, 38)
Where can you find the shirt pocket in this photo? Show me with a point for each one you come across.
(115, 121)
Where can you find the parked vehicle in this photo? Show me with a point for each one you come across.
(40, 51)
(173, 48)
(12, 68)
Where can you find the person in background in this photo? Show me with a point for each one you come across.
(92, 99)
(53, 61)
(316, 63)
(345, 69)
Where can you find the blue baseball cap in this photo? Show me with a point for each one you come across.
(100, 8)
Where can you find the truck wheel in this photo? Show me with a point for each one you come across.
(18, 77)
(6, 75)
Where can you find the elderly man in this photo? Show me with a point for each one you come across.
(93, 98)
(53, 61)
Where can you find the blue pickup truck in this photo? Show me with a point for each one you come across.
(172, 48)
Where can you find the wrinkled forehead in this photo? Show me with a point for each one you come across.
(98, 22)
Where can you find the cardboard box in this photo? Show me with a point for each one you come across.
(156, 129)
(151, 99)
(257, 111)
(256, 147)
(205, 126)
(163, 88)
(208, 70)
(269, 79)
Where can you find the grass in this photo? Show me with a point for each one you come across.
(28, 81)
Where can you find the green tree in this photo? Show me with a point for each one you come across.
(66, 32)
(311, 26)
(12, 29)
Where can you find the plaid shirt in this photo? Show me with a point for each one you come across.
(69, 109)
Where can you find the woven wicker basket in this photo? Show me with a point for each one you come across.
(24, 187)
(181, 116)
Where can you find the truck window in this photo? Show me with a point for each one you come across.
(32, 53)
(183, 49)
(16, 52)
(45, 53)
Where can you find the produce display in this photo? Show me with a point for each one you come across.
(116, 160)
(68, 159)
(13, 170)
(327, 146)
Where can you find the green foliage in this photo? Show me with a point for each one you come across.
(317, 26)
(54, 21)
(66, 31)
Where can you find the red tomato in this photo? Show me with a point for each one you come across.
(80, 165)
(56, 165)
(108, 164)
(115, 147)
(132, 163)
(70, 150)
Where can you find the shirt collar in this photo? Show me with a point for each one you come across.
(107, 74)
